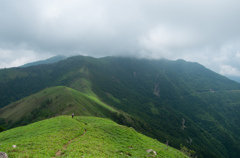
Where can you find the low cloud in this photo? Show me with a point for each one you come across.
(15, 58)
(229, 70)
(166, 42)
(201, 31)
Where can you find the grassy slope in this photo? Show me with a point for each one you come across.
(55, 101)
(81, 136)
(63, 100)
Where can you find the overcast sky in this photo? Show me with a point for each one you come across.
(203, 31)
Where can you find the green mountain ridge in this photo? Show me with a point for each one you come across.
(60, 100)
(55, 101)
(180, 102)
(80, 137)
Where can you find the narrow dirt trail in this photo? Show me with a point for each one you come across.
(59, 152)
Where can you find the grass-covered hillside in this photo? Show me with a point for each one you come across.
(54, 101)
(80, 137)
(61, 100)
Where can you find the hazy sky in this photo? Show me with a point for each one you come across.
(204, 31)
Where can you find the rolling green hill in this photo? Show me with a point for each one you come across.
(81, 137)
(175, 101)
(61, 100)
(55, 101)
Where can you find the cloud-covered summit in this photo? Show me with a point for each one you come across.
(203, 31)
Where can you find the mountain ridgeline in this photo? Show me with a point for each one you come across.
(177, 102)
(51, 60)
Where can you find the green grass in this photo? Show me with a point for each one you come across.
(93, 98)
(82, 137)
(63, 100)
(41, 139)
(113, 98)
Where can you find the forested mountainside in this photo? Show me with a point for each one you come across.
(183, 102)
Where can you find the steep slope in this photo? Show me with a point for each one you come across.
(171, 95)
(80, 137)
(183, 102)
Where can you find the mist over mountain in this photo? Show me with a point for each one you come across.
(124, 74)
(175, 101)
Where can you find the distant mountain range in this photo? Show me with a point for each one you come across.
(173, 101)
(51, 60)
(234, 78)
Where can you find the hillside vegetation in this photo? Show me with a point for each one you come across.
(80, 137)
(55, 101)
(176, 101)
(61, 100)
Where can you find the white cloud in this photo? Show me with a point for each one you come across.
(237, 55)
(203, 31)
(166, 41)
(229, 70)
(15, 58)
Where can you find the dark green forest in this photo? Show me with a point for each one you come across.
(174, 101)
